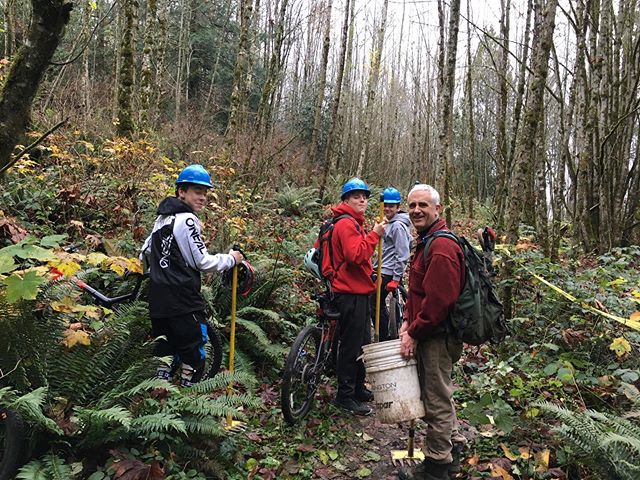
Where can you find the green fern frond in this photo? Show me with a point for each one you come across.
(221, 380)
(200, 406)
(157, 422)
(271, 350)
(29, 406)
(147, 385)
(101, 418)
(210, 427)
(50, 467)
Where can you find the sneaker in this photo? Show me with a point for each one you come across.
(456, 453)
(364, 395)
(427, 470)
(353, 406)
(186, 383)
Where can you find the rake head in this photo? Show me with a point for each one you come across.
(235, 426)
(405, 458)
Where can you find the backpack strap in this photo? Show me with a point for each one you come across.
(438, 234)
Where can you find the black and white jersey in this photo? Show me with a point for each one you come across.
(175, 254)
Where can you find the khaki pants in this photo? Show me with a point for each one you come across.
(436, 356)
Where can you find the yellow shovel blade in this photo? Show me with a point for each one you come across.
(236, 426)
(402, 457)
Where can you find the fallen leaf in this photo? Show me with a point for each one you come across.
(508, 453)
(498, 471)
(75, 337)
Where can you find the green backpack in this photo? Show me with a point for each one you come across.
(477, 316)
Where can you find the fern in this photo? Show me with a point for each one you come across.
(608, 443)
(50, 467)
(157, 422)
(260, 340)
(29, 406)
(102, 418)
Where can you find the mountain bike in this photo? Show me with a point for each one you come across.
(395, 305)
(14, 432)
(310, 357)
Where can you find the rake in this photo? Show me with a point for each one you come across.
(409, 456)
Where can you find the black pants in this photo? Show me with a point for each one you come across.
(186, 337)
(384, 312)
(354, 332)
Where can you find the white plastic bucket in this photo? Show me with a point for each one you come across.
(394, 382)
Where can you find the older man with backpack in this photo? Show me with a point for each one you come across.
(435, 283)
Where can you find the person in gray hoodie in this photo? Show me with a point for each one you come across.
(396, 248)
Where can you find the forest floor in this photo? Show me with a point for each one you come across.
(333, 444)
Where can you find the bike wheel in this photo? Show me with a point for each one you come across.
(300, 377)
(12, 443)
(214, 352)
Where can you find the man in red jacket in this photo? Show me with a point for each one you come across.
(435, 283)
(351, 286)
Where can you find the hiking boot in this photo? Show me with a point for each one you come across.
(353, 406)
(427, 470)
(364, 395)
(456, 453)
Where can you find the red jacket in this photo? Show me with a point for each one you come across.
(435, 283)
(352, 250)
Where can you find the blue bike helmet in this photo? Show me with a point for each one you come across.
(354, 184)
(194, 174)
(391, 195)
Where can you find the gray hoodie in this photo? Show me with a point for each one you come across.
(396, 246)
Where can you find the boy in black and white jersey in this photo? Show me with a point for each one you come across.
(175, 254)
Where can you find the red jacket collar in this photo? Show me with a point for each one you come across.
(343, 208)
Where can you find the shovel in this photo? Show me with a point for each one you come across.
(231, 424)
(376, 334)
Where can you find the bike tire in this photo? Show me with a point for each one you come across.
(214, 351)
(300, 380)
(13, 434)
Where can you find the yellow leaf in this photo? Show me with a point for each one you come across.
(96, 258)
(64, 306)
(473, 460)
(621, 346)
(542, 460)
(635, 316)
(508, 453)
(67, 268)
(525, 454)
(75, 337)
(498, 471)
(134, 265)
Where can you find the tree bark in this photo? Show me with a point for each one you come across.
(26, 72)
(125, 125)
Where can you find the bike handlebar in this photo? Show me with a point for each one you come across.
(109, 302)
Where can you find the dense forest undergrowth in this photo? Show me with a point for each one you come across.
(557, 399)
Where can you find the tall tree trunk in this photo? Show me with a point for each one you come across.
(472, 183)
(501, 117)
(148, 87)
(26, 71)
(526, 146)
(238, 99)
(372, 87)
(328, 163)
(9, 12)
(322, 83)
(445, 134)
(125, 126)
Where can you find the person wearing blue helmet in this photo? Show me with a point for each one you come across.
(396, 248)
(351, 286)
(174, 255)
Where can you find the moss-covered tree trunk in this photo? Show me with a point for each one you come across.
(26, 72)
(126, 124)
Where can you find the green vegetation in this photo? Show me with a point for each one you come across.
(557, 399)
